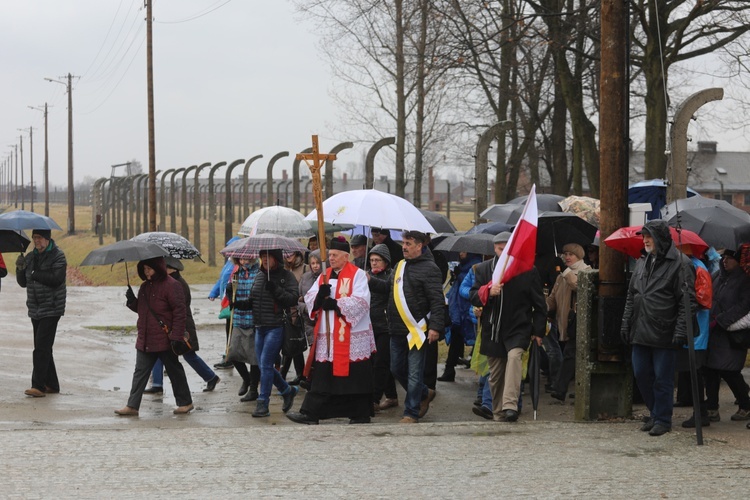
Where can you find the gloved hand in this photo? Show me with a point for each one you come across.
(679, 339)
(130, 295)
(323, 292)
(625, 337)
(271, 286)
(712, 324)
(330, 304)
(21, 262)
(244, 305)
(179, 347)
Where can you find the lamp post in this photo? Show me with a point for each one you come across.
(71, 192)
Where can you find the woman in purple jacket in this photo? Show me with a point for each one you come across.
(160, 304)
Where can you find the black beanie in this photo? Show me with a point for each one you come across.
(44, 233)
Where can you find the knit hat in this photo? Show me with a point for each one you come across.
(575, 249)
(383, 251)
(340, 243)
(358, 239)
(44, 233)
(503, 237)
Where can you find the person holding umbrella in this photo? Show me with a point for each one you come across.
(174, 266)
(162, 316)
(42, 273)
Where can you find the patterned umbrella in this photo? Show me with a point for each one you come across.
(584, 207)
(177, 246)
(277, 220)
(250, 247)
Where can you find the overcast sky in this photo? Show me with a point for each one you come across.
(241, 80)
(232, 79)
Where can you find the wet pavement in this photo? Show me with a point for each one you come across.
(72, 445)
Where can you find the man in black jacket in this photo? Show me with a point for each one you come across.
(513, 313)
(655, 321)
(42, 273)
(416, 311)
(381, 236)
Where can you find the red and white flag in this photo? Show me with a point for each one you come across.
(520, 251)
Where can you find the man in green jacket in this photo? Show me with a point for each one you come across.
(42, 273)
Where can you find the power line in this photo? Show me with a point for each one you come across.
(107, 62)
(207, 11)
(105, 40)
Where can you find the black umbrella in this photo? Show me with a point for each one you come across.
(557, 229)
(178, 246)
(535, 374)
(13, 241)
(718, 227)
(480, 243)
(544, 202)
(507, 213)
(490, 228)
(669, 211)
(440, 222)
(124, 251)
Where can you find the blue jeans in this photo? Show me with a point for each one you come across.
(484, 391)
(268, 342)
(192, 358)
(407, 366)
(654, 373)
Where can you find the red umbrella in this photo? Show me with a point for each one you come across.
(626, 241)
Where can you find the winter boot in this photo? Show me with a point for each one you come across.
(261, 410)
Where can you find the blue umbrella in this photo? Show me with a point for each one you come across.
(18, 220)
(652, 191)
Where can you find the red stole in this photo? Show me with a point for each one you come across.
(340, 334)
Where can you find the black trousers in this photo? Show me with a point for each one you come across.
(144, 363)
(734, 380)
(456, 347)
(567, 367)
(382, 378)
(44, 374)
(299, 365)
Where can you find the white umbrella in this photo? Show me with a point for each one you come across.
(277, 220)
(369, 207)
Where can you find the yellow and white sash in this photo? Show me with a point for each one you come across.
(416, 328)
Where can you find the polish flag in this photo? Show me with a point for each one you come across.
(520, 251)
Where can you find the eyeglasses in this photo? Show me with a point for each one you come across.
(376, 260)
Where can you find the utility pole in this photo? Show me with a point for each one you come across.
(16, 148)
(31, 165)
(23, 198)
(150, 99)
(46, 161)
(71, 189)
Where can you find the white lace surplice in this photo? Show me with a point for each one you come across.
(356, 310)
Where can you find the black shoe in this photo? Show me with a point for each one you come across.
(449, 375)
(511, 415)
(302, 418)
(296, 381)
(682, 404)
(211, 385)
(289, 398)
(465, 362)
(659, 430)
(548, 388)
(690, 423)
(482, 411)
(478, 402)
(223, 366)
(243, 388)
(648, 425)
(250, 396)
(359, 420)
(154, 390)
(560, 396)
(304, 384)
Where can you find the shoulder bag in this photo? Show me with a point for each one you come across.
(295, 340)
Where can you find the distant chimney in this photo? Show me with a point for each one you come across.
(284, 175)
(344, 178)
(707, 147)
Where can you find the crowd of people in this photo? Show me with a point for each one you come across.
(374, 312)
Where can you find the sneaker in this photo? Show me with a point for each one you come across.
(154, 390)
(408, 420)
(741, 415)
(713, 416)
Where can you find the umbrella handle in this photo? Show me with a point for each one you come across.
(127, 274)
